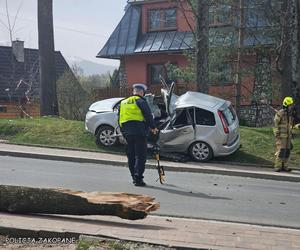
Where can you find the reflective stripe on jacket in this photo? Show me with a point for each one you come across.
(283, 124)
(129, 110)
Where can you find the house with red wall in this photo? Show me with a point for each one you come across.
(150, 34)
(155, 33)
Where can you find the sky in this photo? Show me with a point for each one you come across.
(81, 27)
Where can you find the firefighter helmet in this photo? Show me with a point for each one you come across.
(287, 101)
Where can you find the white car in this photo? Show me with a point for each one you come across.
(102, 119)
(200, 125)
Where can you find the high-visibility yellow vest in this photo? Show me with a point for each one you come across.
(129, 110)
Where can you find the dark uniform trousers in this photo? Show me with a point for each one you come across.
(136, 151)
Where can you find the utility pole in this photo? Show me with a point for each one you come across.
(238, 78)
(48, 96)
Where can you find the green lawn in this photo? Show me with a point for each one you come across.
(51, 132)
(257, 143)
(258, 147)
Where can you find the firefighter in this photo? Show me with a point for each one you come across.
(135, 119)
(283, 125)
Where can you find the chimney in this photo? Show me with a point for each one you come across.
(18, 50)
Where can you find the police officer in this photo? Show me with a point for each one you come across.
(135, 119)
(283, 122)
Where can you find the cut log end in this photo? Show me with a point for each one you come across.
(17, 199)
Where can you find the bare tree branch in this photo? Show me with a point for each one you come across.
(193, 8)
(17, 13)
(3, 23)
(183, 10)
(8, 21)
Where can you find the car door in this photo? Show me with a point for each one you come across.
(169, 99)
(205, 125)
(179, 132)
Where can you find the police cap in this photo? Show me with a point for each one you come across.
(140, 86)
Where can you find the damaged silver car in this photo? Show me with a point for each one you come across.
(197, 124)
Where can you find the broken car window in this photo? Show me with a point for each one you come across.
(204, 117)
(181, 119)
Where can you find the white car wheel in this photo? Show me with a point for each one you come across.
(105, 137)
(200, 151)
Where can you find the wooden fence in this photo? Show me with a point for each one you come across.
(110, 92)
(226, 92)
(12, 110)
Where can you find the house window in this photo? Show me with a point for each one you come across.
(156, 70)
(162, 19)
(220, 15)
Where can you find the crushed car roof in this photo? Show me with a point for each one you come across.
(194, 99)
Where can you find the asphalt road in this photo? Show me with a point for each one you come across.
(205, 196)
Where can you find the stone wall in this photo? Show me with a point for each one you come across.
(257, 115)
(260, 113)
(122, 74)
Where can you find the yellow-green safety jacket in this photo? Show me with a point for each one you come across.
(129, 110)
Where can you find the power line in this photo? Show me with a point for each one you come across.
(62, 27)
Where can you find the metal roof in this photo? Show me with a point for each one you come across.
(27, 71)
(123, 39)
(127, 39)
(164, 41)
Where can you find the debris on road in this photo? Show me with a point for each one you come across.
(19, 199)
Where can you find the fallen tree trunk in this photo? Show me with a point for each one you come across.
(18, 199)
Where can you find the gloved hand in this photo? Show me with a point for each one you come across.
(154, 131)
(297, 126)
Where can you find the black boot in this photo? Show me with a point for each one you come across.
(285, 168)
(140, 184)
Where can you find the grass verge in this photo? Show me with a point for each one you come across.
(257, 143)
(53, 132)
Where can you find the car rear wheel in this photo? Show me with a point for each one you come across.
(105, 136)
(200, 151)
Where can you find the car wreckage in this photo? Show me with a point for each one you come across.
(199, 125)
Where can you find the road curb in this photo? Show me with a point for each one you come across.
(243, 164)
(257, 175)
(60, 158)
(183, 168)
